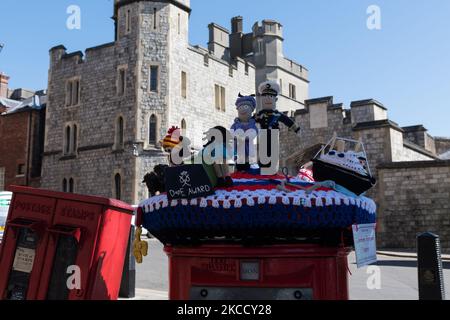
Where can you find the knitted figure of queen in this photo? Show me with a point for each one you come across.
(245, 132)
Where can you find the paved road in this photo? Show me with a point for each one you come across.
(398, 278)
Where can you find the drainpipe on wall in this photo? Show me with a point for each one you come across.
(27, 176)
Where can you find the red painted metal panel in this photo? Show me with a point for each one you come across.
(322, 269)
(98, 227)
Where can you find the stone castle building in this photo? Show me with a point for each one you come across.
(109, 108)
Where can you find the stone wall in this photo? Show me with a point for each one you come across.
(442, 145)
(95, 161)
(414, 197)
(403, 150)
(383, 139)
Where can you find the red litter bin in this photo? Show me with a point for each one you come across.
(60, 246)
(279, 272)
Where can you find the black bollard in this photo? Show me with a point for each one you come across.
(128, 284)
(431, 279)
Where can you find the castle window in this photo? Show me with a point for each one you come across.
(183, 127)
(206, 60)
(217, 96)
(154, 74)
(121, 81)
(219, 92)
(70, 139)
(67, 140)
(154, 18)
(292, 91)
(152, 130)
(71, 186)
(119, 139)
(260, 46)
(75, 138)
(128, 21)
(183, 84)
(68, 186)
(179, 23)
(73, 92)
(222, 99)
(281, 86)
(247, 67)
(118, 187)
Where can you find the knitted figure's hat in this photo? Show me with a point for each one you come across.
(246, 101)
(269, 88)
(172, 139)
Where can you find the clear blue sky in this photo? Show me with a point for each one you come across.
(405, 65)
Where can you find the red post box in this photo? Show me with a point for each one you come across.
(279, 272)
(83, 236)
(24, 245)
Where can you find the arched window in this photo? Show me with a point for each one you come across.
(183, 127)
(120, 133)
(64, 185)
(152, 130)
(71, 185)
(75, 138)
(67, 139)
(118, 186)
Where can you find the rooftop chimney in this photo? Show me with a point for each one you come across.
(4, 80)
(237, 24)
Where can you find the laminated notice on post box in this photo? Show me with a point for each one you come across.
(365, 244)
(24, 260)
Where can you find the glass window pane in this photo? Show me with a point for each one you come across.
(152, 130)
(154, 78)
(118, 186)
(217, 95)
(223, 98)
(67, 149)
(75, 138)
(71, 186)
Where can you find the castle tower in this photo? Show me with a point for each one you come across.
(271, 64)
(109, 107)
(267, 43)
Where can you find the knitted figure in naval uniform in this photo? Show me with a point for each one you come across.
(269, 118)
(245, 131)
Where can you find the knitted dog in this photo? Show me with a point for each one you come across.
(155, 180)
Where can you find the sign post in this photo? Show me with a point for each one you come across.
(431, 278)
(365, 244)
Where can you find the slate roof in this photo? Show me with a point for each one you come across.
(35, 102)
(8, 103)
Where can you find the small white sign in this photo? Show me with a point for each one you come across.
(24, 260)
(365, 244)
(5, 199)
